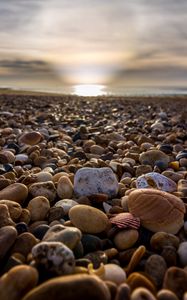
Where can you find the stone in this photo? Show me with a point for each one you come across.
(156, 180)
(46, 189)
(6, 157)
(96, 149)
(165, 294)
(8, 236)
(142, 293)
(89, 181)
(70, 236)
(123, 292)
(21, 227)
(73, 287)
(21, 158)
(175, 280)
(137, 280)
(55, 213)
(18, 282)
(159, 240)
(126, 239)
(40, 231)
(156, 267)
(66, 204)
(25, 216)
(14, 208)
(30, 138)
(182, 253)
(17, 192)
(65, 188)
(5, 218)
(24, 243)
(39, 208)
(54, 257)
(157, 210)
(97, 258)
(44, 176)
(114, 273)
(152, 157)
(88, 219)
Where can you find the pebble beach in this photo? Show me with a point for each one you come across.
(93, 197)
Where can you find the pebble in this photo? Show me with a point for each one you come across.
(152, 157)
(14, 209)
(182, 253)
(17, 192)
(70, 236)
(142, 293)
(74, 287)
(114, 273)
(46, 189)
(30, 138)
(65, 188)
(136, 280)
(54, 257)
(18, 282)
(66, 205)
(156, 267)
(39, 208)
(156, 180)
(6, 157)
(165, 294)
(89, 181)
(175, 280)
(157, 210)
(88, 219)
(5, 218)
(126, 239)
(44, 176)
(8, 236)
(160, 240)
(24, 243)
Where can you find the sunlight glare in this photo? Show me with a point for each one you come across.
(89, 90)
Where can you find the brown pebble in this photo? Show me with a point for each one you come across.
(5, 218)
(24, 243)
(8, 236)
(175, 280)
(30, 138)
(142, 293)
(39, 208)
(165, 294)
(17, 192)
(136, 280)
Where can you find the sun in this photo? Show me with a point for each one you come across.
(89, 90)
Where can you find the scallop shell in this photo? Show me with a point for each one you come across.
(156, 180)
(125, 220)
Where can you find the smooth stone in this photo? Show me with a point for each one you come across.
(169, 253)
(165, 294)
(151, 157)
(89, 181)
(73, 287)
(91, 243)
(14, 208)
(126, 238)
(173, 175)
(25, 216)
(156, 267)
(88, 219)
(97, 258)
(17, 192)
(65, 188)
(159, 240)
(6, 157)
(46, 189)
(18, 282)
(96, 149)
(66, 204)
(54, 257)
(175, 280)
(40, 231)
(21, 227)
(39, 208)
(156, 180)
(123, 292)
(141, 293)
(55, 213)
(182, 253)
(30, 138)
(21, 158)
(114, 273)
(136, 280)
(8, 236)
(70, 236)
(24, 243)
(5, 218)
(157, 210)
(44, 176)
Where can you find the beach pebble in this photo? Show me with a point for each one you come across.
(136, 280)
(156, 180)
(142, 293)
(44, 176)
(152, 157)
(65, 188)
(8, 236)
(165, 294)
(159, 240)
(156, 267)
(88, 219)
(39, 208)
(30, 138)
(66, 204)
(21, 158)
(89, 181)
(6, 157)
(73, 287)
(14, 208)
(70, 236)
(24, 243)
(126, 239)
(17, 192)
(182, 253)
(46, 189)
(157, 210)
(54, 257)
(114, 273)
(18, 282)
(5, 218)
(175, 280)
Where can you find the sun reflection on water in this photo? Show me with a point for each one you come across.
(89, 90)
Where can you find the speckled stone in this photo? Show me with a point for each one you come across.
(46, 189)
(8, 236)
(175, 280)
(39, 208)
(182, 253)
(66, 204)
(89, 181)
(65, 188)
(156, 267)
(54, 257)
(14, 208)
(30, 138)
(74, 287)
(18, 282)
(126, 239)
(156, 180)
(88, 219)
(17, 192)
(70, 236)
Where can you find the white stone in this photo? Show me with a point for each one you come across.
(182, 252)
(66, 204)
(156, 180)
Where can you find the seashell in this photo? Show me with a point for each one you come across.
(125, 220)
(156, 180)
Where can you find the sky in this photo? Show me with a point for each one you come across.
(61, 43)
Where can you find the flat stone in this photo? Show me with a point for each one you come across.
(73, 287)
(39, 208)
(8, 236)
(89, 181)
(17, 192)
(88, 219)
(46, 189)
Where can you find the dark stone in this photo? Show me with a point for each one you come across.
(21, 227)
(40, 231)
